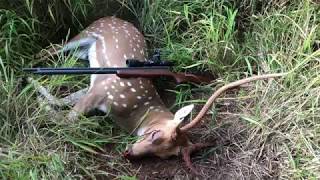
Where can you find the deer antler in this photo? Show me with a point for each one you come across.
(216, 94)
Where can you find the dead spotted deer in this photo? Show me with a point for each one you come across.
(134, 103)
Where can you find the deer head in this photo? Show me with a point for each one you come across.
(162, 139)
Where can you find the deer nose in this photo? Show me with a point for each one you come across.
(128, 152)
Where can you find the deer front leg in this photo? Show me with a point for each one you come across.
(51, 100)
(87, 103)
(75, 97)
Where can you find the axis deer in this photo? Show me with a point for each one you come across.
(134, 103)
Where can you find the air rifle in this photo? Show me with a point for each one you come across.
(145, 69)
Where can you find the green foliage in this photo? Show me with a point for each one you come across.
(18, 39)
(194, 34)
(229, 38)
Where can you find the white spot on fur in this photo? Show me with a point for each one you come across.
(139, 97)
(106, 88)
(129, 83)
(135, 106)
(125, 56)
(121, 83)
(112, 87)
(110, 97)
(122, 96)
(146, 103)
(146, 91)
(115, 103)
(141, 87)
(124, 105)
(133, 89)
(151, 107)
(150, 97)
(108, 93)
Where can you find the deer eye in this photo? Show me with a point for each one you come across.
(153, 133)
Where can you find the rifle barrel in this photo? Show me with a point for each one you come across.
(85, 70)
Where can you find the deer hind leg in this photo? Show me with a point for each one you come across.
(78, 47)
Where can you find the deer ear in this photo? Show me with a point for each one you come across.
(183, 112)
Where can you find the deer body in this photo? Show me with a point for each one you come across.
(133, 103)
(127, 99)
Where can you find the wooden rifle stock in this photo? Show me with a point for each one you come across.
(179, 77)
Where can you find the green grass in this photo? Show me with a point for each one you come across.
(230, 39)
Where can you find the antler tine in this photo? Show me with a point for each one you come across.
(215, 95)
(187, 151)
